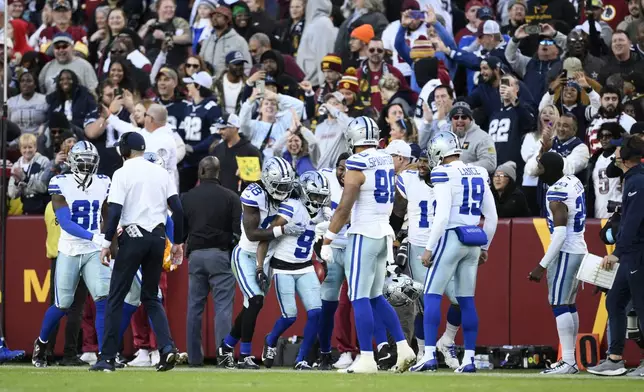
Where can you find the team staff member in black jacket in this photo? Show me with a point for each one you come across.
(233, 146)
(629, 249)
(212, 230)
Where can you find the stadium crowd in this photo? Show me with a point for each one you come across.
(248, 80)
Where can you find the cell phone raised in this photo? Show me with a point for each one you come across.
(417, 15)
(533, 29)
(505, 82)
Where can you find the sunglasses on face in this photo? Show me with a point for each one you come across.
(376, 50)
(500, 175)
(459, 117)
(116, 51)
(195, 66)
(546, 42)
(606, 136)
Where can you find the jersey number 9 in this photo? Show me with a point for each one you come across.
(304, 243)
(473, 188)
(385, 186)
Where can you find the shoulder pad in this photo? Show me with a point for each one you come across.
(439, 175)
(253, 196)
(286, 208)
(56, 185)
(357, 161)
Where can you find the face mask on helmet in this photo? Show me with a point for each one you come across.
(401, 290)
(83, 163)
(315, 201)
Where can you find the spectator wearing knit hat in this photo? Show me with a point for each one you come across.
(372, 71)
(359, 46)
(318, 39)
(332, 69)
(510, 201)
(413, 29)
(350, 88)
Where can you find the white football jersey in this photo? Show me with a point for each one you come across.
(371, 211)
(468, 185)
(570, 191)
(336, 194)
(606, 189)
(295, 250)
(255, 196)
(85, 207)
(420, 205)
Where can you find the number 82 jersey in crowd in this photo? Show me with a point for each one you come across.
(570, 191)
(371, 211)
(85, 206)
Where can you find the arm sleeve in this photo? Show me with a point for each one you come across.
(113, 217)
(443, 202)
(490, 214)
(517, 61)
(64, 217)
(177, 215)
(577, 160)
(556, 242)
(169, 228)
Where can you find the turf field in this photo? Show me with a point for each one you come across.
(26, 378)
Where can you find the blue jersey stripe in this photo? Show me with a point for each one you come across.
(252, 203)
(439, 180)
(285, 212)
(438, 173)
(356, 163)
(287, 207)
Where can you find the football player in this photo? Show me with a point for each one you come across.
(415, 197)
(456, 245)
(260, 204)
(293, 268)
(330, 289)
(367, 199)
(567, 222)
(78, 199)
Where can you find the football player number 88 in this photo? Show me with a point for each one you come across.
(385, 186)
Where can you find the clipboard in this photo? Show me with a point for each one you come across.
(591, 272)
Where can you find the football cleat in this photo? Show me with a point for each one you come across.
(302, 365)
(182, 359)
(71, 361)
(155, 357)
(142, 359)
(562, 368)
(7, 355)
(362, 364)
(120, 361)
(268, 354)
(406, 358)
(466, 368)
(385, 357)
(225, 357)
(103, 365)
(344, 361)
(38, 358)
(168, 360)
(325, 362)
(448, 349)
(247, 363)
(427, 366)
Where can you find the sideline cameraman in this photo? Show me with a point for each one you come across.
(629, 251)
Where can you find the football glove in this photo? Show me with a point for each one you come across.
(293, 229)
(262, 280)
(326, 253)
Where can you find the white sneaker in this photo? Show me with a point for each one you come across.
(142, 359)
(366, 364)
(406, 358)
(562, 368)
(344, 361)
(448, 349)
(155, 357)
(89, 358)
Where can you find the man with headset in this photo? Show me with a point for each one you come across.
(629, 252)
(140, 194)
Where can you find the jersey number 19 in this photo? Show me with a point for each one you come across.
(473, 188)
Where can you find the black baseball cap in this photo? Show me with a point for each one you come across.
(133, 140)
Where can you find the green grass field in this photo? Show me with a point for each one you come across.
(26, 378)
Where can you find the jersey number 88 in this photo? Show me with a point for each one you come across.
(385, 186)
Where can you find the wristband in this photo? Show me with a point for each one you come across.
(329, 235)
(106, 244)
(277, 231)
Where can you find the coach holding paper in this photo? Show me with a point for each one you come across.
(139, 197)
(629, 249)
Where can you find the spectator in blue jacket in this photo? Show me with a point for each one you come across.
(487, 95)
(70, 98)
(534, 70)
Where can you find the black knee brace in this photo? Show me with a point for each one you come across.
(255, 305)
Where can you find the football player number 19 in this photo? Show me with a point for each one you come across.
(473, 188)
(385, 186)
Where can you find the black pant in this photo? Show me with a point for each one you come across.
(74, 317)
(146, 252)
(628, 284)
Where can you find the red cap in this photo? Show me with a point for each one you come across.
(410, 5)
(473, 3)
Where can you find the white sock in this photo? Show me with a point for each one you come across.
(450, 332)
(468, 357)
(381, 345)
(567, 337)
(430, 353)
(575, 320)
(421, 346)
